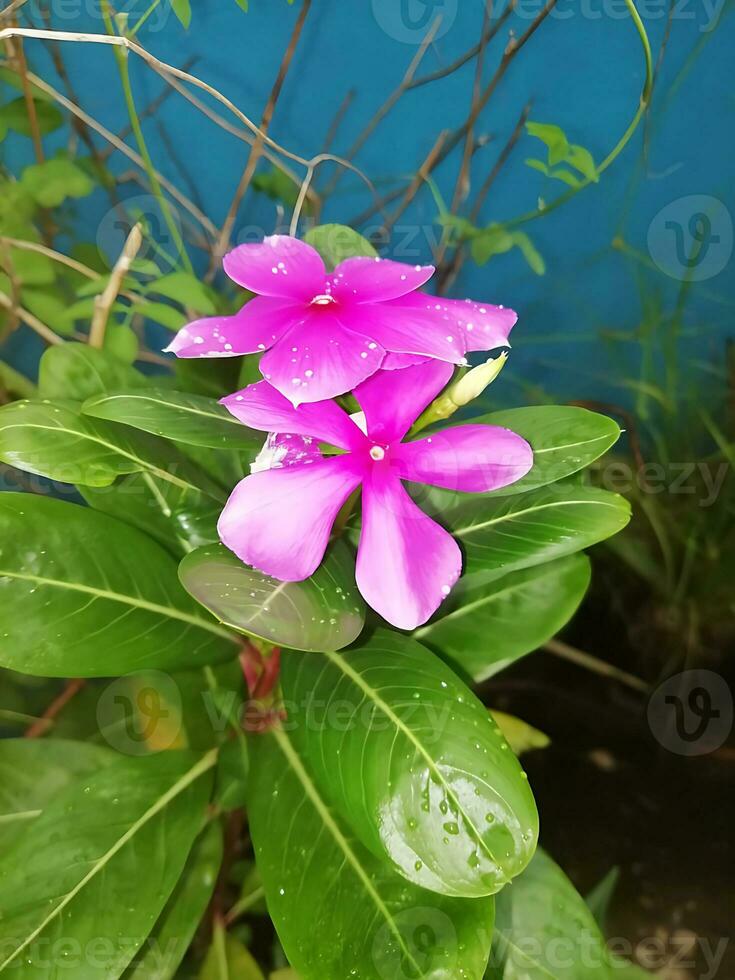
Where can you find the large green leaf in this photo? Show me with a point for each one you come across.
(167, 944)
(503, 534)
(413, 762)
(545, 931)
(33, 772)
(53, 440)
(483, 627)
(176, 415)
(324, 612)
(78, 371)
(72, 895)
(82, 595)
(177, 518)
(339, 911)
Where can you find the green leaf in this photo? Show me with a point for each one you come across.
(581, 159)
(338, 242)
(79, 371)
(178, 518)
(86, 596)
(412, 760)
(503, 534)
(53, 440)
(184, 289)
(12, 78)
(14, 115)
(553, 137)
(544, 931)
(48, 305)
(521, 736)
(166, 946)
(338, 910)
(52, 182)
(599, 899)
(182, 9)
(279, 186)
(76, 871)
(483, 627)
(33, 772)
(122, 342)
(529, 251)
(324, 612)
(167, 316)
(176, 415)
(228, 959)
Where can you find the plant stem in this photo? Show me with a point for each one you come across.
(121, 57)
(103, 302)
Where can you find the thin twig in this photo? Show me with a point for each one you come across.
(46, 721)
(103, 302)
(586, 660)
(422, 175)
(18, 55)
(223, 238)
(30, 320)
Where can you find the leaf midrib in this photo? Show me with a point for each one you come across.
(170, 611)
(512, 515)
(197, 770)
(224, 417)
(371, 693)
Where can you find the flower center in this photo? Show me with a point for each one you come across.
(323, 299)
(377, 453)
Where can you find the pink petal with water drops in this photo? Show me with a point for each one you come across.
(319, 359)
(278, 266)
(470, 458)
(261, 406)
(484, 326)
(373, 280)
(286, 449)
(256, 327)
(393, 400)
(406, 563)
(279, 520)
(396, 362)
(412, 330)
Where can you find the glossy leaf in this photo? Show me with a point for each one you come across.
(79, 371)
(414, 762)
(485, 626)
(176, 415)
(166, 946)
(82, 595)
(54, 440)
(324, 612)
(338, 910)
(33, 772)
(503, 534)
(335, 243)
(76, 871)
(177, 518)
(544, 931)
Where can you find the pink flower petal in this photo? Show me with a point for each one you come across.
(257, 326)
(279, 520)
(396, 362)
(365, 280)
(414, 330)
(262, 407)
(318, 358)
(406, 563)
(393, 400)
(484, 326)
(278, 266)
(471, 458)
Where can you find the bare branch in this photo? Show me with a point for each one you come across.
(103, 302)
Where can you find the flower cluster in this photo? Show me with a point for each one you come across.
(366, 329)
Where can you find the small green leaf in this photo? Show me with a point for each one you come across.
(521, 736)
(52, 182)
(79, 371)
(324, 612)
(176, 415)
(581, 159)
(553, 137)
(530, 252)
(184, 289)
(167, 316)
(335, 243)
(48, 306)
(228, 959)
(340, 911)
(122, 342)
(14, 115)
(182, 9)
(77, 866)
(278, 186)
(413, 762)
(520, 611)
(83, 595)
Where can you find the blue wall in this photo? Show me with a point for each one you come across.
(584, 71)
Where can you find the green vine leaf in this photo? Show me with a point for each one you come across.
(335, 243)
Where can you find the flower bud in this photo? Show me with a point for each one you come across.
(472, 384)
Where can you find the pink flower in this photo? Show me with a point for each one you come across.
(324, 333)
(279, 520)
